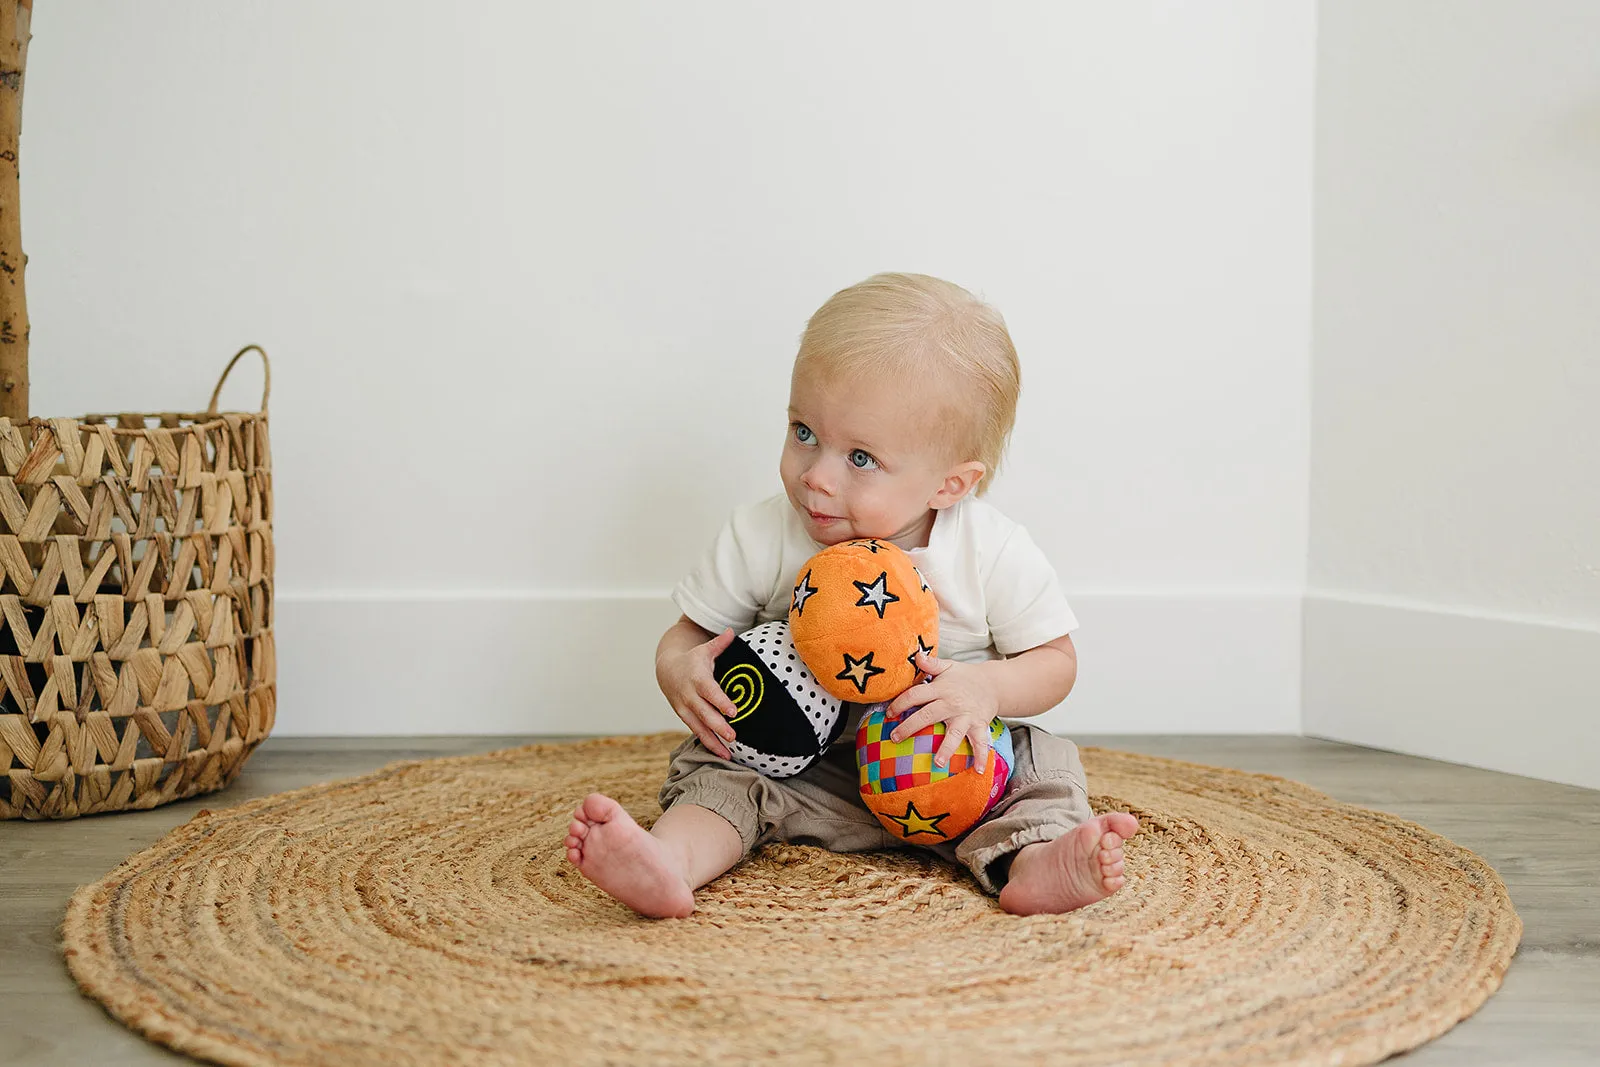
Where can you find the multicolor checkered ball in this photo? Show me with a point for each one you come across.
(917, 800)
(859, 612)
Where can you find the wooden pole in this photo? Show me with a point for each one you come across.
(14, 18)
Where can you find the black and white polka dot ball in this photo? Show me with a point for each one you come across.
(786, 720)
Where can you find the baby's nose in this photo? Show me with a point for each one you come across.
(816, 478)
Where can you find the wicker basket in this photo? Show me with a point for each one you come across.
(136, 660)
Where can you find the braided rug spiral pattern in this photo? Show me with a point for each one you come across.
(426, 914)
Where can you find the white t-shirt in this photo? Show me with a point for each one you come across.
(997, 593)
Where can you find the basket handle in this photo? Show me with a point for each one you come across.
(266, 382)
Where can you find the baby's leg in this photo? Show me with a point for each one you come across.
(711, 816)
(1043, 849)
(714, 813)
(654, 873)
(1078, 868)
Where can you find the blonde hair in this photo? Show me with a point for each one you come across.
(909, 325)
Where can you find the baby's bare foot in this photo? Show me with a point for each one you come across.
(1075, 869)
(620, 856)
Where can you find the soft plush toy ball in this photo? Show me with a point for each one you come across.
(785, 719)
(916, 800)
(859, 612)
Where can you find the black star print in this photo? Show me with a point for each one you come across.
(921, 579)
(802, 593)
(876, 595)
(870, 546)
(912, 659)
(859, 671)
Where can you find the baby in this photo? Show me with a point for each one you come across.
(900, 404)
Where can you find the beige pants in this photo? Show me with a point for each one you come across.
(822, 806)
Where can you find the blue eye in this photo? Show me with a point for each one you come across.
(861, 459)
(803, 434)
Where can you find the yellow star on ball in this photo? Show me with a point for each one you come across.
(860, 671)
(914, 822)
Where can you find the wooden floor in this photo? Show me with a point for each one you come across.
(1544, 840)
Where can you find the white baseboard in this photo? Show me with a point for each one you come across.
(1184, 663)
(1506, 694)
(519, 664)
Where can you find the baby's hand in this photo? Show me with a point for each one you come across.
(690, 686)
(956, 694)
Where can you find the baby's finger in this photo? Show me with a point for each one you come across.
(914, 722)
(980, 749)
(719, 644)
(947, 747)
(920, 694)
(704, 724)
(716, 722)
(714, 744)
(928, 665)
(712, 694)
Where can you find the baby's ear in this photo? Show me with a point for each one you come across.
(958, 483)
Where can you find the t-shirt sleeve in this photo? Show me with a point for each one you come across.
(1023, 597)
(731, 582)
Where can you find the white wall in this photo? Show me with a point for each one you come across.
(1454, 606)
(532, 276)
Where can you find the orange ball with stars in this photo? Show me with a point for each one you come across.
(859, 612)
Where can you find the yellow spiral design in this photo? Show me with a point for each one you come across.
(744, 687)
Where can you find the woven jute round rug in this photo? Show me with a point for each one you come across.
(426, 913)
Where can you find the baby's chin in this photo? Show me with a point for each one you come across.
(830, 534)
(838, 532)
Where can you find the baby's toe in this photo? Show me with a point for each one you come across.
(597, 807)
(1122, 823)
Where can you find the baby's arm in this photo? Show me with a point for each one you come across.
(1032, 682)
(684, 661)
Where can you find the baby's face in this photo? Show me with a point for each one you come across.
(861, 460)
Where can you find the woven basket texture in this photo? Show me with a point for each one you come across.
(136, 657)
(427, 914)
